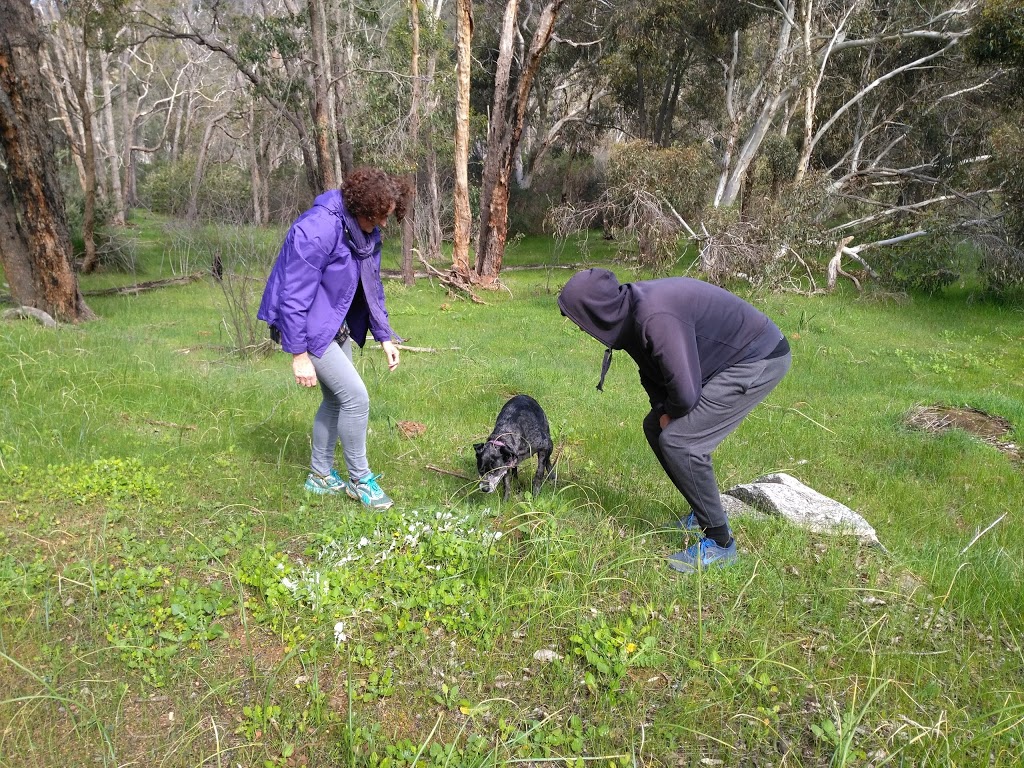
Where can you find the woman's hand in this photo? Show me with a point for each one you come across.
(302, 367)
(391, 351)
(665, 420)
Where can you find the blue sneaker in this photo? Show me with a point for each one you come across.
(325, 484)
(369, 493)
(704, 554)
(688, 523)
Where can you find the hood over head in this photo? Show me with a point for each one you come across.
(600, 305)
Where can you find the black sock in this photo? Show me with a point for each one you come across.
(720, 535)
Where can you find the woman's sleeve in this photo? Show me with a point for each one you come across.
(311, 241)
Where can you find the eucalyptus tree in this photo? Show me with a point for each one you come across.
(280, 50)
(35, 248)
(80, 29)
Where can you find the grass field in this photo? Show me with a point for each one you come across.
(169, 596)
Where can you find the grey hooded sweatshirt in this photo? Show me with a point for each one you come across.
(681, 332)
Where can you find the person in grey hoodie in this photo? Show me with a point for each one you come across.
(706, 359)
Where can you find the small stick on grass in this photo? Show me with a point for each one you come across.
(407, 348)
(432, 468)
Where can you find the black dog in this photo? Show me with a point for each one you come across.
(520, 431)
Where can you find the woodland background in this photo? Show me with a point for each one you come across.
(777, 138)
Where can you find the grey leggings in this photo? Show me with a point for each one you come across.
(684, 446)
(343, 414)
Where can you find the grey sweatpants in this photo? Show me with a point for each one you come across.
(343, 414)
(684, 447)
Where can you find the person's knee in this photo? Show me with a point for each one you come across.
(679, 449)
(357, 401)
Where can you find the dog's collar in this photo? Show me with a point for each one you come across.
(497, 443)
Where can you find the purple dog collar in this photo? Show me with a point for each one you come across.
(497, 443)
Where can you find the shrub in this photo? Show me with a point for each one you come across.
(225, 194)
(649, 192)
(924, 265)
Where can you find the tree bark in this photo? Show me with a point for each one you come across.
(463, 215)
(36, 248)
(113, 156)
(434, 233)
(497, 130)
(202, 160)
(78, 81)
(409, 223)
(322, 128)
(496, 181)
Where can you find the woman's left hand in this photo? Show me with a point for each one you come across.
(392, 354)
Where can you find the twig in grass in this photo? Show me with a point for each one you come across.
(812, 420)
(171, 424)
(432, 468)
(407, 348)
(988, 528)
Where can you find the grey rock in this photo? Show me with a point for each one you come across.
(785, 496)
(733, 507)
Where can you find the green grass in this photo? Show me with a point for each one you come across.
(169, 596)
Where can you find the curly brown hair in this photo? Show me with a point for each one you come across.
(370, 193)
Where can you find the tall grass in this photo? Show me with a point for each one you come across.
(151, 488)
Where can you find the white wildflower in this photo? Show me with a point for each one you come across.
(339, 633)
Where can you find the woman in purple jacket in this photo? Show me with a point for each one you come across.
(323, 293)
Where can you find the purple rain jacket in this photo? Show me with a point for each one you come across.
(681, 332)
(314, 285)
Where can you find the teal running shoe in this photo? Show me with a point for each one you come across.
(706, 553)
(325, 484)
(369, 493)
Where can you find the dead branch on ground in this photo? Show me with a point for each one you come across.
(147, 286)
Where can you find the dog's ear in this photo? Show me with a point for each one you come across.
(479, 448)
(507, 455)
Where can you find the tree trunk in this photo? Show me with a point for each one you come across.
(493, 238)
(463, 215)
(255, 168)
(78, 82)
(409, 223)
(128, 137)
(434, 233)
(321, 85)
(36, 249)
(497, 131)
(113, 156)
(202, 159)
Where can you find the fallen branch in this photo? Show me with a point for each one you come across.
(814, 286)
(170, 424)
(407, 348)
(432, 468)
(453, 281)
(24, 312)
(148, 286)
(835, 266)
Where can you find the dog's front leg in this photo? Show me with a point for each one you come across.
(543, 467)
(506, 485)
